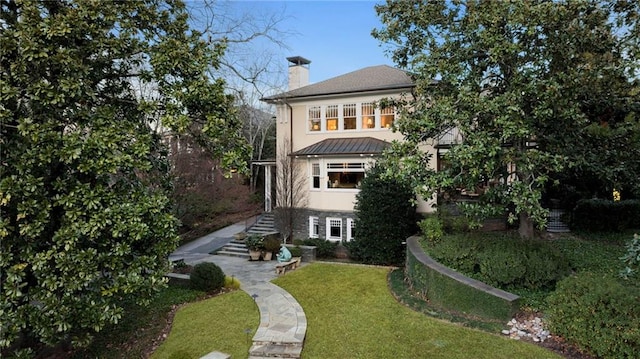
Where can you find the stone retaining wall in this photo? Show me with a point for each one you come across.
(446, 288)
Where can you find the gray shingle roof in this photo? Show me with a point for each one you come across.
(372, 78)
(344, 146)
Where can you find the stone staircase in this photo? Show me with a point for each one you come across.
(275, 350)
(264, 225)
(237, 248)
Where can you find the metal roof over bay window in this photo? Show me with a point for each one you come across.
(344, 147)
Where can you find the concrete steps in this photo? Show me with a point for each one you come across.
(275, 350)
(264, 225)
(235, 248)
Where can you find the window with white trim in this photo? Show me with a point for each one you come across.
(387, 116)
(314, 227)
(315, 175)
(351, 225)
(345, 175)
(332, 117)
(368, 115)
(315, 113)
(334, 229)
(349, 116)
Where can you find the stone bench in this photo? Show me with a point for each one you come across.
(294, 263)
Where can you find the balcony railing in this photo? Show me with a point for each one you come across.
(450, 137)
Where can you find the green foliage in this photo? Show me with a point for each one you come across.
(597, 312)
(296, 251)
(232, 283)
(254, 242)
(207, 277)
(606, 215)
(451, 294)
(86, 223)
(631, 259)
(432, 229)
(385, 218)
(514, 80)
(271, 243)
(503, 261)
(324, 248)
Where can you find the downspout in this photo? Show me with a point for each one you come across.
(290, 168)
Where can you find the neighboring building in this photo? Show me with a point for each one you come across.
(333, 130)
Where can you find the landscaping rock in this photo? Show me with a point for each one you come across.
(532, 329)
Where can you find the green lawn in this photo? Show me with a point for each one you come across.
(351, 314)
(215, 324)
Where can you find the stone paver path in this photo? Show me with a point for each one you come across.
(283, 323)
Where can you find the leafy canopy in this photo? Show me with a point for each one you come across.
(85, 222)
(523, 82)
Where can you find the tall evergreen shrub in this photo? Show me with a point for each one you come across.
(385, 217)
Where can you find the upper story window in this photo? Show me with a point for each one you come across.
(349, 116)
(387, 116)
(332, 118)
(361, 116)
(315, 113)
(368, 115)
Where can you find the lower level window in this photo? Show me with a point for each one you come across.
(334, 229)
(314, 227)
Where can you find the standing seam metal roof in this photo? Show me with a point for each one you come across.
(344, 146)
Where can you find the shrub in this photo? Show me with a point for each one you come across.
(254, 242)
(231, 283)
(631, 259)
(295, 251)
(598, 313)
(207, 277)
(432, 229)
(502, 265)
(271, 244)
(385, 218)
(606, 215)
(504, 261)
(324, 248)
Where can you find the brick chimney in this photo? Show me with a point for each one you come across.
(298, 72)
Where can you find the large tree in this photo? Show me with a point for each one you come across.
(523, 82)
(86, 223)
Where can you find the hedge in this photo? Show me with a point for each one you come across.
(606, 215)
(452, 291)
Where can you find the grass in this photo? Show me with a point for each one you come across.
(139, 328)
(351, 314)
(215, 324)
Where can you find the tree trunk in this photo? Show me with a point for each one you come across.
(526, 226)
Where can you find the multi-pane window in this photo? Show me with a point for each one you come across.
(345, 175)
(315, 113)
(349, 116)
(368, 115)
(314, 227)
(332, 117)
(334, 229)
(315, 175)
(351, 225)
(387, 115)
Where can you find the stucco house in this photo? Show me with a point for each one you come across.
(332, 131)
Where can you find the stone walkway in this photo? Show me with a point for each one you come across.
(282, 321)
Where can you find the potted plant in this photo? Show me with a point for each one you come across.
(271, 245)
(255, 246)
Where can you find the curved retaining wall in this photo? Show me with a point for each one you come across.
(451, 290)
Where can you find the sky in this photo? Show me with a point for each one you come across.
(334, 35)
